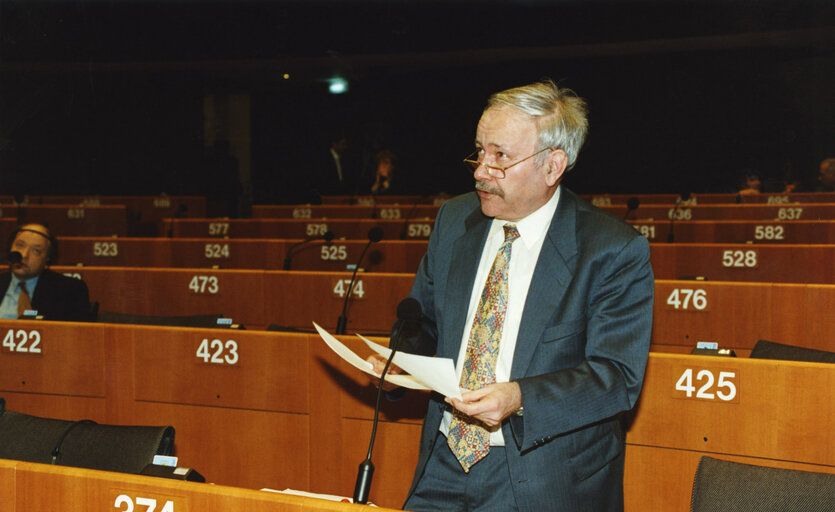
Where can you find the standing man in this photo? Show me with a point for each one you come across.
(30, 285)
(545, 304)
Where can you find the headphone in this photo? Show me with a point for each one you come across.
(52, 252)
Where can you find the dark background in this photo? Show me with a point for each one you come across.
(106, 97)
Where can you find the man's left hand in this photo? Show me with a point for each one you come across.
(490, 404)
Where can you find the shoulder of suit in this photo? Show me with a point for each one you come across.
(60, 279)
(604, 223)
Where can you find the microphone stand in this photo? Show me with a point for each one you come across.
(327, 237)
(375, 234)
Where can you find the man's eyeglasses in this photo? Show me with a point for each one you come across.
(495, 171)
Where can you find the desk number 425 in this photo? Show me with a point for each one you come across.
(724, 389)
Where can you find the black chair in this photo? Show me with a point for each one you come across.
(83, 444)
(204, 321)
(724, 486)
(765, 349)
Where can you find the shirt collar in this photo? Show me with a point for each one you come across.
(30, 283)
(532, 229)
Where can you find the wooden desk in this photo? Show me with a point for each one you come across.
(740, 231)
(670, 199)
(743, 262)
(383, 199)
(338, 211)
(780, 415)
(737, 315)
(74, 220)
(338, 255)
(351, 229)
(280, 407)
(734, 314)
(683, 213)
(45, 488)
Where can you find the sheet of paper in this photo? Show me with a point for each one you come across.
(438, 373)
(406, 381)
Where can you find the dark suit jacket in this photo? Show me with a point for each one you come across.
(57, 297)
(580, 354)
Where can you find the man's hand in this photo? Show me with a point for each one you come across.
(490, 404)
(379, 362)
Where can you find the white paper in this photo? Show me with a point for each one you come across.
(438, 373)
(406, 381)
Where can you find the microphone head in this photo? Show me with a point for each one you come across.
(328, 236)
(375, 234)
(409, 310)
(633, 203)
(14, 257)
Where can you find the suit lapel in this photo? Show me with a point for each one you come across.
(466, 250)
(551, 278)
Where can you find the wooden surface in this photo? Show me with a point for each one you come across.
(290, 413)
(74, 220)
(414, 228)
(694, 199)
(338, 211)
(44, 488)
(734, 314)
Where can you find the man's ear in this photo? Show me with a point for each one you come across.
(555, 163)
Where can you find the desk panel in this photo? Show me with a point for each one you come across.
(729, 199)
(743, 262)
(415, 228)
(220, 368)
(683, 213)
(337, 211)
(53, 358)
(76, 220)
(237, 294)
(740, 231)
(7, 485)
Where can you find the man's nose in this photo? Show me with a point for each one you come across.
(481, 173)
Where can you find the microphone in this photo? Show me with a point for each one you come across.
(375, 234)
(14, 257)
(408, 312)
(631, 205)
(327, 237)
(683, 198)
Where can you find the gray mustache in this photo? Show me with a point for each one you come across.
(486, 187)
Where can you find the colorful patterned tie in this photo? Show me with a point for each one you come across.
(467, 438)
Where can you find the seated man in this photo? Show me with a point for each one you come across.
(30, 285)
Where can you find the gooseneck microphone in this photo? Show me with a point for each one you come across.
(631, 205)
(375, 234)
(14, 257)
(327, 237)
(683, 198)
(408, 315)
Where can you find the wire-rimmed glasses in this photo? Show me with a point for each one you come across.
(495, 171)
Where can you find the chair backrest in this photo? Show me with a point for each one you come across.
(725, 486)
(765, 349)
(85, 444)
(207, 321)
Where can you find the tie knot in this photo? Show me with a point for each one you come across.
(510, 232)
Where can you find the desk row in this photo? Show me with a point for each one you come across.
(717, 231)
(610, 199)
(735, 315)
(787, 263)
(806, 211)
(270, 410)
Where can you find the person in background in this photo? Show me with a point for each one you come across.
(384, 177)
(826, 176)
(30, 285)
(749, 183)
